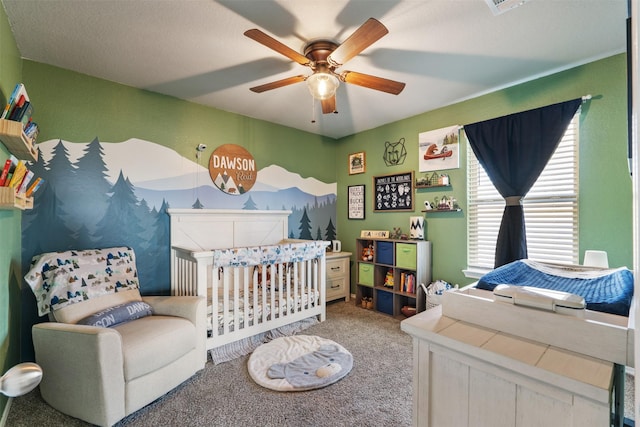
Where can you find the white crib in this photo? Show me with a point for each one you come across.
(253, 289)
(255, 279)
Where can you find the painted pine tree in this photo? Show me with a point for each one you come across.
(250, 204)
(197, 204)
(305, 226)
(330, 231)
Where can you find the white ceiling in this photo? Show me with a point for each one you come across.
(444, 50)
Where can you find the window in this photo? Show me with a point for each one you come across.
(550, 209)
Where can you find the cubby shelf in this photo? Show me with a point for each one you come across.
(13, 137)
(402, 257)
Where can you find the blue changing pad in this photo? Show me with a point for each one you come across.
(608, 291)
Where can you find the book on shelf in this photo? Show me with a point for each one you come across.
(9, 167)
(18, 90)
(23, 114)
(15, 111)
(18, 174)
(22, 187)
(15, 102)
(408, 283)
(31, 130)
(34, 187)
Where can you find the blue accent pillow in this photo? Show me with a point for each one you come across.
(118, 314)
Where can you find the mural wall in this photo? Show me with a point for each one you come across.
(102, 194)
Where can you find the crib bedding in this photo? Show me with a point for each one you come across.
(292, 303)
(604, 290)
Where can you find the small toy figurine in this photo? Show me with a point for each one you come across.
(367, 253)
(388, 279)
(397, 232)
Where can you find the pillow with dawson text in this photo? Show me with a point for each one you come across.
(118, 314)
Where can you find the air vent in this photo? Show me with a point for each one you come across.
(502, 6)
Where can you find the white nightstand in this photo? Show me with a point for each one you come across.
(338, 275)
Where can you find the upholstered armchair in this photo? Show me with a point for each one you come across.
(107, 351)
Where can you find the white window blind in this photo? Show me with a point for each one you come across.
(550, 208)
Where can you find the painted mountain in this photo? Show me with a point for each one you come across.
(101, 194)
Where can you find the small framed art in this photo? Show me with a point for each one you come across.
(357, 163)
(355, 197)
(393, 192)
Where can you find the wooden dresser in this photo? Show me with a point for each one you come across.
(338, 275)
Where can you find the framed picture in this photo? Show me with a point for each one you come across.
(356, 163)
(393, 192)
(355, 197)
(439, 149)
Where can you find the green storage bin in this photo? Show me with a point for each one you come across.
(406, 256)
(365, 274)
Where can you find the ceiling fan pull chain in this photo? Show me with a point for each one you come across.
(313, 110)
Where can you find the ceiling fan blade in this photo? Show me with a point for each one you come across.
(372, 82)
(274, 44)
(367, 34)
(329, 105)
(279, 83)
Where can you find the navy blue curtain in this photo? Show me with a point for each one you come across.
(514, 150)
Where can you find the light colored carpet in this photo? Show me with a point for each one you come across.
(377, 391)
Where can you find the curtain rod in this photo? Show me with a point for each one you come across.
(584, 99)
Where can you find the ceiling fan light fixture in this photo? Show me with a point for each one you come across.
(323, 85)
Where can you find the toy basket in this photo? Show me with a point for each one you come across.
(434, 291)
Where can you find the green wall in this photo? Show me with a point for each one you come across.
(10, 74)
(605, 206)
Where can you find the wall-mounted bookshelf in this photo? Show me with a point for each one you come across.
(16, 141)
(10, 200)
(18, 133)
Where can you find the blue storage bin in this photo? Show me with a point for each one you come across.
(384, 253)
(384, 302)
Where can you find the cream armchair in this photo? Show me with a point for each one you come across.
(102, 374)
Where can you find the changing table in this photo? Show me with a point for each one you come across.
(465, 374)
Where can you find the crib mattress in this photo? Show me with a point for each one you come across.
(604, 290)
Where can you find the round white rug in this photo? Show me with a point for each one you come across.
(299, 362)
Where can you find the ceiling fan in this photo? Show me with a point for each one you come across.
(324, 57)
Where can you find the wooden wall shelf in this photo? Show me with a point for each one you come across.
(16, 141)
(420, 187)
(441, 210)
(10, 200)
